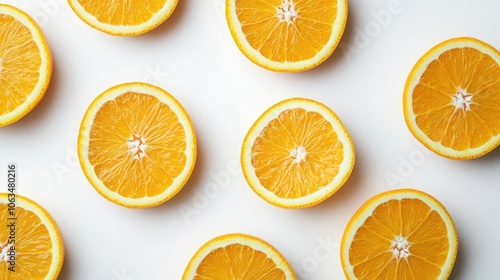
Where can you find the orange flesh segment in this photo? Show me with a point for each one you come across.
(371, 254)
(123, 12)
(33, 245)
(300, 40)
(115, 124)
(275, 167)
(479, 75)
(238, 261)
(19, 63)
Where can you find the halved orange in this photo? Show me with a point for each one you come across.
(31, 245)
(451, 99)
(287, 35)
(123, 17)
(399, 234)
(238, 256)
(137, 145)
(297, 154)
(25, 64)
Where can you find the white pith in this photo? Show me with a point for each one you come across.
(400, 247)
(4, 247)
(286, 12)
(461, 100)
(137, 146)
(298, 155)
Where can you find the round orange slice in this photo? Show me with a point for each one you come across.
(451, 99)
(25, 64)
(137, 145)
(297, 154)
(31, 245)
(123, 17)
(399, 234)
(238, 256)
(287, 35)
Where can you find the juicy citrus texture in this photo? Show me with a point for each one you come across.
(297, 154)
(238, 256)
(287, 35)
(137, 145)
(25, 64)
(452, 99)
(400, 234)
(123, 17)
(39, 250)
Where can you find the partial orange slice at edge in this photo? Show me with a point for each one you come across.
(123, 17)
(238, 256)
(25, 64)
(287, 35)
(451, 100)
(31, 245)
(400, 234)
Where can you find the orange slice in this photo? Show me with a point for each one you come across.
(25, 64)
(297, 154)
(31, 245)
(123, 17)
(136, 145)
(451, 100)
(238, 256)
(286, 35)
(399, 234)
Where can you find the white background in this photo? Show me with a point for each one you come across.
(193, 56)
